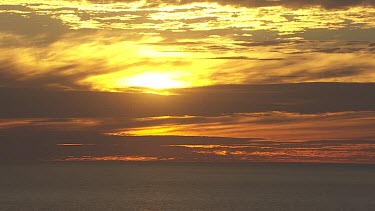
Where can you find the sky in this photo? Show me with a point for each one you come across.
(187, 80)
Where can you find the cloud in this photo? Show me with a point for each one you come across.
(48, 123)
(246, 58)
(348, 34)
(42, 29)
(102, 61)
(266, 23)
(204, 101)
(67, 140)
(67, 63)
(278, 126)
(329, 4)
(331, 67)
(115, 158)
(72, 46)
(271, 125)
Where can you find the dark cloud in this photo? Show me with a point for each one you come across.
(299, 3)
(49, 146)
(347, 34)
(11, 76)
(204, 101)
(32, 139)
(39, 29)
(246, 58)
(338, 73)
(307, 75)
(328, 45)
(329, 4)
(339, 50)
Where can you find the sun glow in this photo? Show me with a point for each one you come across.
(154, 81)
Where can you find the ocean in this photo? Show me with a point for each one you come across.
(185, 186)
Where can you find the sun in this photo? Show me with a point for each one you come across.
(154, 81)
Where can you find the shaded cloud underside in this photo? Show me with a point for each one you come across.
(204, 101)
(344, 137)
(87, 146)
(259, 3)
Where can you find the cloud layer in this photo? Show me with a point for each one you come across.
(205, 101)
(280, 80)
(258, 3)
(85, 46)
(346, 137)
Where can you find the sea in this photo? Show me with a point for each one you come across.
(185, 186)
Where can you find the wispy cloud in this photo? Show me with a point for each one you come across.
(94, 62)
(345, 137)
(88, 45)
(48, 123)
(115, 158)
(257, 3)
(272, 125)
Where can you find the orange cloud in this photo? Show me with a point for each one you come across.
(271, 125)
(63, 124)
(116, 158)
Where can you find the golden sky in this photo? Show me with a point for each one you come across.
(277, 71)
(124, 45)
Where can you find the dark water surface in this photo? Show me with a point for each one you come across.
(186, 186)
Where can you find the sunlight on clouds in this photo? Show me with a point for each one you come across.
(152, 131)
(272, 125)
(115, 158)
(100, 63)
(105, 62)
(346, 137)
(62, 124)
(293, 152)
(198, 16)
(117, 46)
(153, 80)
(161, 47)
